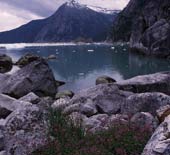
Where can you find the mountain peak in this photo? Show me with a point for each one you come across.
(74, 4)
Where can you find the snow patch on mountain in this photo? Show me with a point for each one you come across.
(102, 10)
(75, 4)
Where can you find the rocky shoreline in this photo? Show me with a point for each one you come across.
(28, 94)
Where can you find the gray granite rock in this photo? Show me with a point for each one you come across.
(104, 80)
(158, 82)
(3, 152)
(96, 123)
(163, 112)
(159, 144)
(26, 130)
(35, 77)
(5, 63)
(144, 120)
(61, 104)
(2, 123)
(106, 97)
(145, 102)
(31, 97)
(89, 108)
(27, 59)
(1, 141)
(6, 105)
(117, 120)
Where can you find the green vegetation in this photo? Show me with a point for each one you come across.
(69, 139)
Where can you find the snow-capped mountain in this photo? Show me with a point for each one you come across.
(71, 22)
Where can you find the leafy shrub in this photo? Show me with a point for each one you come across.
(69, 139)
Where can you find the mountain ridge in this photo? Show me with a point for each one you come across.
(74, 22)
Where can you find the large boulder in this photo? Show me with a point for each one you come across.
(35, 77)
(158, 82)
(25, 131)
(159, 144)
(27, 59)
(145, 102)
(5, 63)
(105, 98)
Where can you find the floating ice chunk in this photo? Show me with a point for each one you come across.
(113, 48)
(90, 50)
(81, 74)
(56, 50)
(74, 51)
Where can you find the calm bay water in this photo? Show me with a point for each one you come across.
(80, 65)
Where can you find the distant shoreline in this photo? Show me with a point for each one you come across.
(25, 45)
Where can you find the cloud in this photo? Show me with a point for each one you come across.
(39, 7)
(17, 12)
(13, 21)
(12, 17)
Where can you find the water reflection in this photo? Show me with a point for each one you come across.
(80, 65)
(140, 65)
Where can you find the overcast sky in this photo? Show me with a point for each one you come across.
(14, 13)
